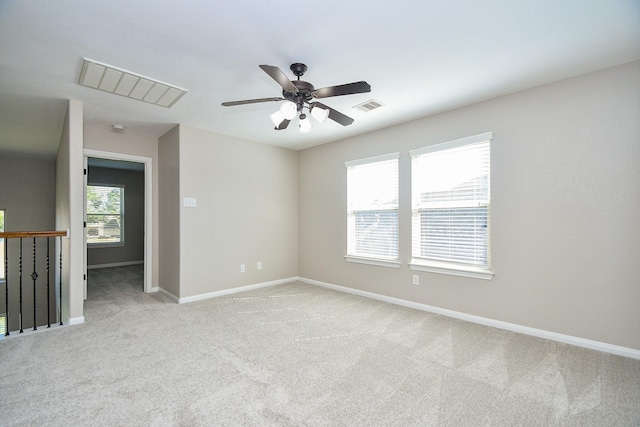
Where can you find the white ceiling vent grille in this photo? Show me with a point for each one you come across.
(105, 77)
(369, 105)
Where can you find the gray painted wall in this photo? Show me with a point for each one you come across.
(27, 195)
(133, 250)
(69, 211)
(565, 212)
(246, 212)
(169, 205)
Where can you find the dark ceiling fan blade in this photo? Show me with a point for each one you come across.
(250, 101)
(336, 115)
(346, 89)
(280, 77)
(283, 124)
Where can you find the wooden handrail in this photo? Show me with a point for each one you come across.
(17, 234)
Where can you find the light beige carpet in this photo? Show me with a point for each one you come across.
(299, 355)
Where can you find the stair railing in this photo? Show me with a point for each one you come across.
(35, 235)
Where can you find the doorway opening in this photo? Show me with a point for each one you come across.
(118, 214)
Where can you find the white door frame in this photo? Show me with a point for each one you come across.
(148, 207)
(84, 229)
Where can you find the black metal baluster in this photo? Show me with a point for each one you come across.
(60, 308)
(34, 277)
(20, 276)
(6, 284)
(48, 287)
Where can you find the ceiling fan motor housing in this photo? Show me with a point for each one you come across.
(305, 89)
(304, 94)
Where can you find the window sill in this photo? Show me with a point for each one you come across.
(105, 245)
(451, 269)
(372, 261)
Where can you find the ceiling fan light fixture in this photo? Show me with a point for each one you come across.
(276, 118)
(288, 109)
(305, 123)
(320, 114)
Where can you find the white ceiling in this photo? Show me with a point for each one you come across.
(420, 57)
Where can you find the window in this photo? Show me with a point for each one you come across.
(451, 201)
(105, 214)
(372, 210)
(3, 316)
(1, 246)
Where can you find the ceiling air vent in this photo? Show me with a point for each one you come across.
(369, 105)
(110, 79)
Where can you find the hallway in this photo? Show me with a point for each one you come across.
(114, 289)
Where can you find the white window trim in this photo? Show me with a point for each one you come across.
(375, 159)
(122, 242)
(487, 136)
(373, 261)
(451, 269)
(381, 262)
(99, 245)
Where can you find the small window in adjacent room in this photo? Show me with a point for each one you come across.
(372, 210)
(105, 215)
(2, 246)
(451, 207)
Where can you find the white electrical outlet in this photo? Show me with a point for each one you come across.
(416, 279)
(242, 268)
(189, 202)
(259, 265)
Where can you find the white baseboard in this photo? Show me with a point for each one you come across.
(215, 294)
(44, 328)
(168, 294)
(540, 333)
(76, 320)
(30, 331)
(114, 264)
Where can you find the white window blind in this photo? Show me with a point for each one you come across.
(451, 202)
(105, 214)
(372, 207)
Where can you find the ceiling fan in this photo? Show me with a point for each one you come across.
(299, 95)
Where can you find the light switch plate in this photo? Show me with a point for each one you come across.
(189, 202)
